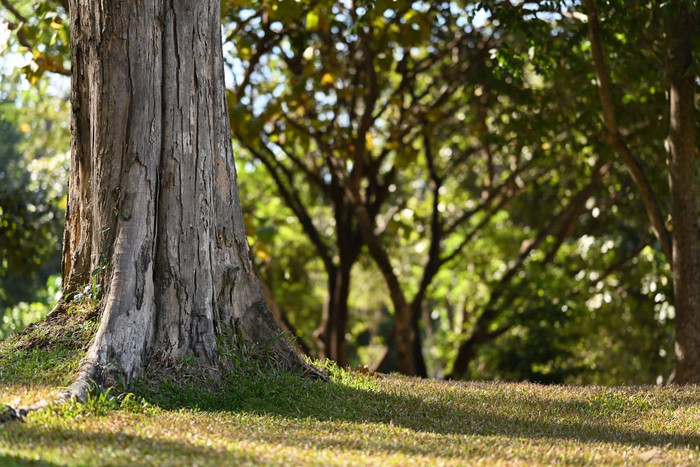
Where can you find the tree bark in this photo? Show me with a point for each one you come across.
(153, 209)
(683, 181)
(421, 368)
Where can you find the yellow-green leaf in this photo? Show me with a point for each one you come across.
(312, 21)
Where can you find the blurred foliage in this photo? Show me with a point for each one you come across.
(20, 315)
(590, 302)
(33, 184)
(564, 315)
(40, 29)
(283, 256)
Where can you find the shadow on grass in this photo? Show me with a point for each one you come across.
(457, 411)
(78, 447)
(16, 461)
(369, 407)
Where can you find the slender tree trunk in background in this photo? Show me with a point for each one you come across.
(416, 316)
(330, 336)
(153, 204)
(561, 226)
(682, 246)
(683, 181)
(468, 349)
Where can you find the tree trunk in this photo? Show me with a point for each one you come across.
(153, 208)
(419, 361)
(684, 194)
(468, 349)
(330, 335)
(560, 226)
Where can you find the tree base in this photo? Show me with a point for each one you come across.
(75, 325)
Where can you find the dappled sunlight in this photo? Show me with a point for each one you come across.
(360, 420)
(376, 232)
(24, 394)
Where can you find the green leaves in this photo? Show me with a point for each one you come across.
(41, 28)
(478, 121)
(312, 21)
(33, 169)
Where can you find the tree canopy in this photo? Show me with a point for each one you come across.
(449, 189)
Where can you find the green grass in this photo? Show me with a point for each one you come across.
(268, 417)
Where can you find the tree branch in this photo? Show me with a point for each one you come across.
(557, 227)
(292, 200)
(14, 11)
(432, 263)
(612, 136)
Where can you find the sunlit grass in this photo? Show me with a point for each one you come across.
(268, 417)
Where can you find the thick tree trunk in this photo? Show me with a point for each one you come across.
(153, 207)
(683, 180)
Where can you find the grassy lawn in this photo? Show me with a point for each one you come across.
(267, 417)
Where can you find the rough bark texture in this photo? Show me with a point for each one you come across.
(683, 180)
(153, 204)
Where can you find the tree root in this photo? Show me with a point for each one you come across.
(80, 389)
(91, 375)
(10, 413)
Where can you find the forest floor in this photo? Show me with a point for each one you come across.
(262, 416)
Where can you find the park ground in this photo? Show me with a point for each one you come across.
(263, 416)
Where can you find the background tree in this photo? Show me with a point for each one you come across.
(684, 180)
(40, 28)
(503, 85)
(352, 138)
(680, 242)
(503, 132)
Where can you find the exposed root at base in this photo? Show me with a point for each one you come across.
(79, 391)
(19, 413)
(85, 384)
(91, 374)
(75, 328)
